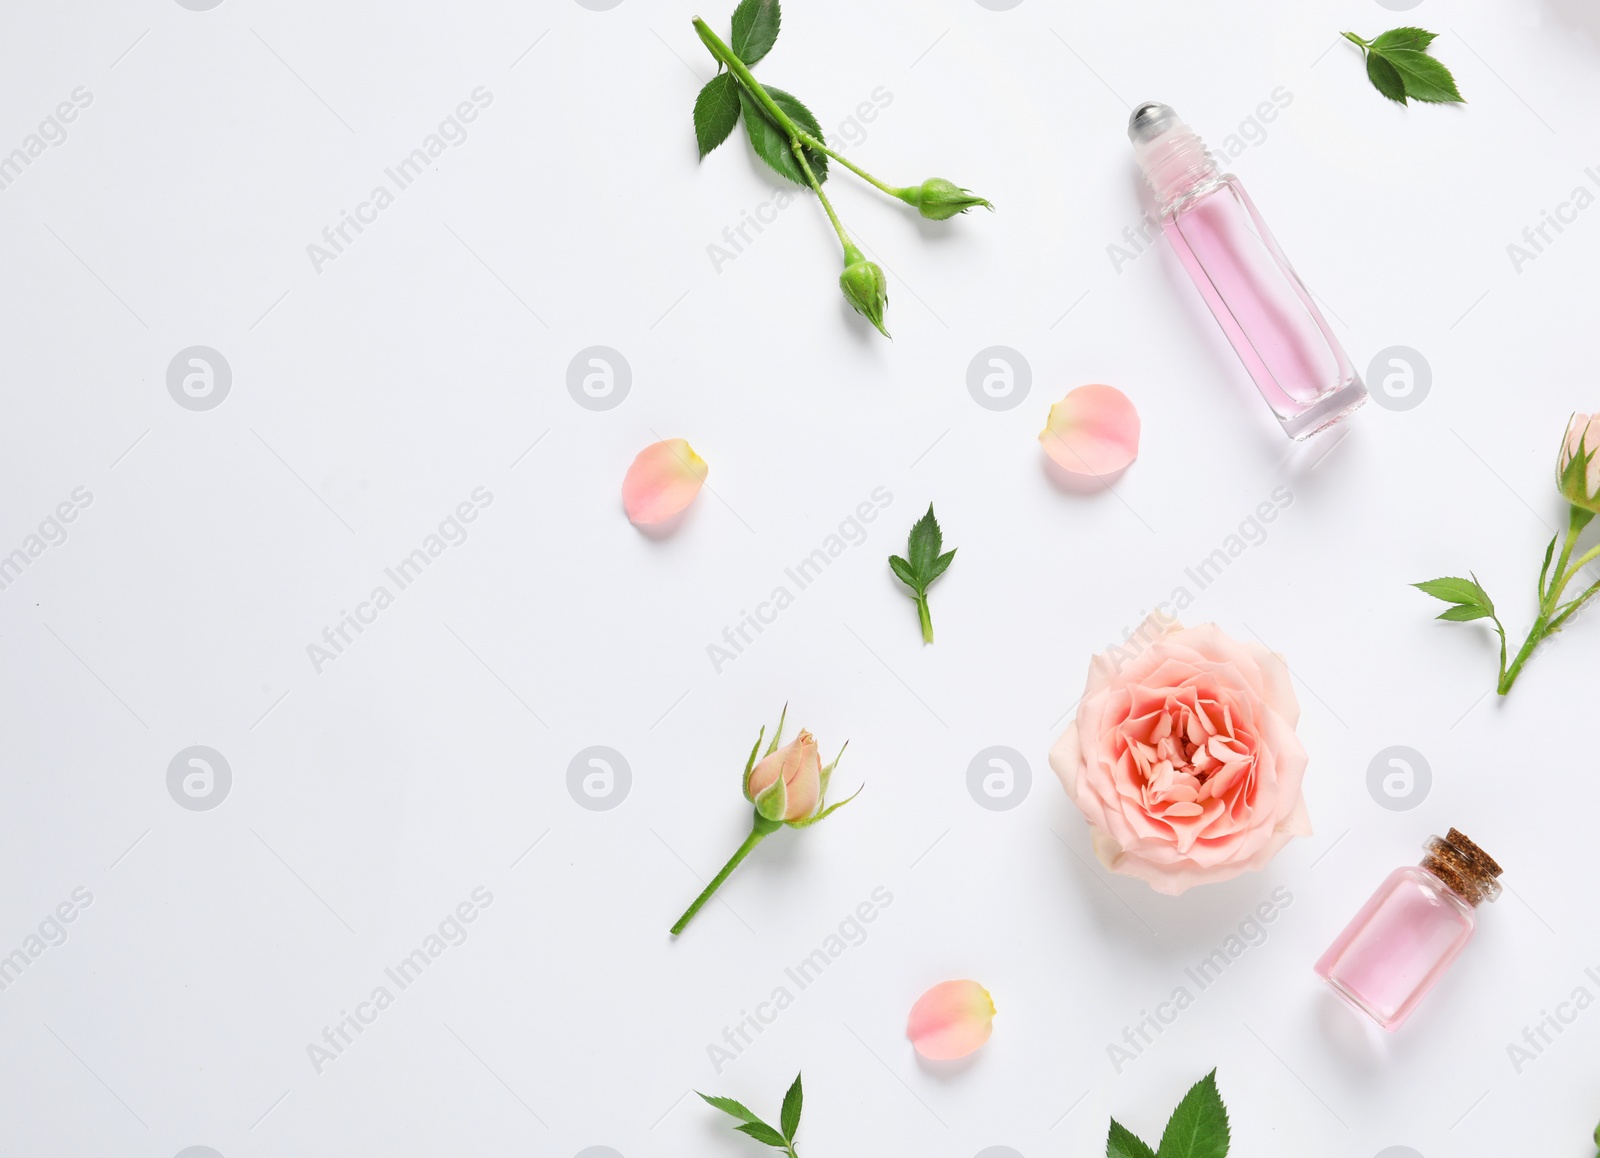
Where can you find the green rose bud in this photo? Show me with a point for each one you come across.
(940, 200)
(865, 287)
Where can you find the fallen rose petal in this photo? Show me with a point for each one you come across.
(951, 1020)
(1094, 430)
(662, 481)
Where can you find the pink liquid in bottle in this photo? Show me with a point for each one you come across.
(1409, 932)
(1266, 312)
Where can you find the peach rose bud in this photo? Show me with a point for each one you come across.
(1578, 468)
(662, 481)
(1094, 430)
(787, 785)
(951, 1020)
(789, 788)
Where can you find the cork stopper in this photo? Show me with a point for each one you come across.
(1465, 869)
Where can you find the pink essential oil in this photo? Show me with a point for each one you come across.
(1255, 295)
(1415, 925)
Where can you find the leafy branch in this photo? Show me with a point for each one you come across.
(1470, 601)
(924, 565)
(788, 1119)
(1198, 1128)
(1399, 67)
(784, 134)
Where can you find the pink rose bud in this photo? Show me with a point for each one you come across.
(1578, 469)
(789, 788)
(787, 785)
(662, 481)
(951, 1020)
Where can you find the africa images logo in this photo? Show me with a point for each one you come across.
(199, 378)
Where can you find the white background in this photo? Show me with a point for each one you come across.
(370, 398)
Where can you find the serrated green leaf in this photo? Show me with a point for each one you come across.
(730, 1107)
(1399, 67)
(1453, 589)
(771, 142)
(762, 1132)
(716, 111)
(1123, 1143)
(1198, 1128)
(1386, 78)
(790, 1119)
(1418, 38)
(1426, 78)
(1465, 613)
(925, 543)
(922, 565)
(755, 29)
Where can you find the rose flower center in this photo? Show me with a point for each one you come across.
(1187, 753)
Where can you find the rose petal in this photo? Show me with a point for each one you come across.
(951, 1020)
(1094, 430)
(662, 481)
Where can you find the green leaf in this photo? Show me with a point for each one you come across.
(1545, 570)
(1198, 1128)
(1471, 601)
(770, 141)
(1399, 67)
(1418, 38)
(762, 1132)
(1122, 1143)
(1456, 590)
(925, 544)
(755, 29)
(922, 565)
(716, 111)
(1464, 613)
(1386, 78)
(1426, 79)
(730, 1107)
(790, 1119)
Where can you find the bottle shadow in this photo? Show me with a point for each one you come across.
(1581, 14)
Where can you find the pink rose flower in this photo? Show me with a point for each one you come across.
(1184, 758)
